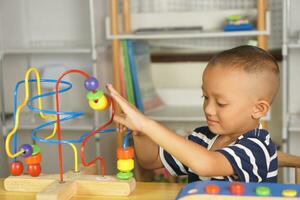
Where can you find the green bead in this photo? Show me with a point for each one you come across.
(35, 149)
(263, 191)
(92, 96)
(124, 175)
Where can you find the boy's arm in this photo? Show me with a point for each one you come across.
(199, 159)
(196, 157)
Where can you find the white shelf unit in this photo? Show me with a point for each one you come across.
(150, 20)
(32, 44)
(63, 49)
(184, 112)
(290, 80)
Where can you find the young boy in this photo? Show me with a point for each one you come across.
(238, 88)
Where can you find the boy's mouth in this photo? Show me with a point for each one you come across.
(211, 121)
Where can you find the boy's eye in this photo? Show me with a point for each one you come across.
(205, 97)
(221, 104)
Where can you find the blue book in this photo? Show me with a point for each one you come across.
(135, 82)
(241, 27)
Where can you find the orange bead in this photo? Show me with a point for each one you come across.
(127, 153)
(212, 189)
(31, 160)
(237, 188)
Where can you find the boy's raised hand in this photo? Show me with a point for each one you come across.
(132, 118)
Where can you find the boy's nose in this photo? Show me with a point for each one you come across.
(209, 109)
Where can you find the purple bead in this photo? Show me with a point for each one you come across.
(27, 150)
(91, 83)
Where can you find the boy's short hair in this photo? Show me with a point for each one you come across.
(250, 59)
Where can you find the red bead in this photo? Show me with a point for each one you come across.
(237, 188)
(16, 168)
(34, 170)
(212, 189)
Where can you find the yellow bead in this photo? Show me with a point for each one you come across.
(125, 165)
(99, 104)
(289, 193)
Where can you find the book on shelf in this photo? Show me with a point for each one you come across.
(150, 98)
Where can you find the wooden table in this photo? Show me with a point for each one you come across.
(144, 191)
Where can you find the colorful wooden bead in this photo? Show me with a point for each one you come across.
(127, 153)
(124, 175)
(27, 150)
(36, 159)
(34, 169)
(91, 95)
(100, 104)
(35, 149)
(91, 83)
(125, 165)
(16, 168)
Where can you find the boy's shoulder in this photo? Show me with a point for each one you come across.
(205, 134)
(256, 134)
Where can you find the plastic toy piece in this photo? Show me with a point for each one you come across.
(289, 193)
(252, 191)
(91, 83)
(36, 159)
(35, 149)
(125, 162)
(91, 95)
(27, 150)
(127, 153)
(33, 163)
(263, 191)
(125, 165)
(212, 189)
(100, 104)
(237, 188)
(16, 168)
(124, 175)
(34, 169)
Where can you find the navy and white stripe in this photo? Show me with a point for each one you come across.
(253, 157)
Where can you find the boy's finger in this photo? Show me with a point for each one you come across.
(120, 100)
(120, 120)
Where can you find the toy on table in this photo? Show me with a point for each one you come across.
(64, 185)
(237, 23)
(238, 190)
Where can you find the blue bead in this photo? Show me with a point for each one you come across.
(27, 148)
(91, 83)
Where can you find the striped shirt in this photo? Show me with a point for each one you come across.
(253, 157)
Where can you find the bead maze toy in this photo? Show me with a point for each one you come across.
(83, 179)
(238, 191)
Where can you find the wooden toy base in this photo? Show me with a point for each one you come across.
(83, 183)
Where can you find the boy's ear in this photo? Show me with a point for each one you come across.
(260, 109)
